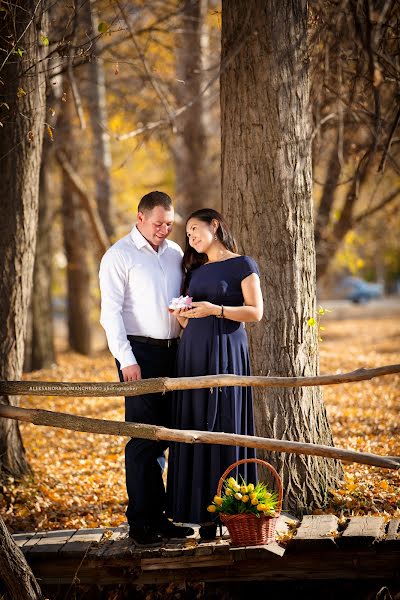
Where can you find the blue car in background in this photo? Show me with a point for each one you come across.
(359, 291)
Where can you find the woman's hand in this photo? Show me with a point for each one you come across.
(179, 313)
(199, 310)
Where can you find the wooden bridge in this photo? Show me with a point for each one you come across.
(321, 548)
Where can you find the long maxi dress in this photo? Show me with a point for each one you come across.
(211, 346)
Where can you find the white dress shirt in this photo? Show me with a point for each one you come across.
(137, 283)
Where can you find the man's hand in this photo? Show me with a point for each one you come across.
(131, 373)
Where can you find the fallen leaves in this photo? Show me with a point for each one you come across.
(364, 416)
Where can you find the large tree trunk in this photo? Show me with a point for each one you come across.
(76, 244)
(15, 573)
(192, 169)
(96, 95)
(23, 88)
(266, 195)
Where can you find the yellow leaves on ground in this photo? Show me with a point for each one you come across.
(364, 416)
(79, 479)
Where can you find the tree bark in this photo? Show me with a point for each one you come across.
(23, 88)
(96, 95)
(42, 347)
(76, 244)
(266, 195)
(322, 246)
(192, 164)
(15, 573)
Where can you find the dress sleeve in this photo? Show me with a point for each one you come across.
(248, 266)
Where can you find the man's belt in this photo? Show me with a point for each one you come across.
(154, 342)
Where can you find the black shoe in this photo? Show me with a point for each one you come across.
(208, 531)
(169, 530)
(145, 536)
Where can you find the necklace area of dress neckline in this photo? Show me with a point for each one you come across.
(213, 262)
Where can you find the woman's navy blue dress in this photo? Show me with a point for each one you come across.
(211, 346)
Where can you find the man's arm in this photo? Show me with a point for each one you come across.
(112, 276)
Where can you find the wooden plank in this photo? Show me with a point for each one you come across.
(285, 523)
(52, 541)
(363, 562)
(29, 544)
(205, 548)
(190, 562)
(316, 529)
(171, 549)
(120, 533)
(366, 529)
(21, 538)
(222, 546)
(118, 549)
(117, 534)
(261, 552)
(82, 540)
(393, 531)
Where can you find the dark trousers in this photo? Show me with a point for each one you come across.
(144, 459)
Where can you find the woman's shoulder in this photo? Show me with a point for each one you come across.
(247, 265)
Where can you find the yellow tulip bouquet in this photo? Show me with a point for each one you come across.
(245, 498)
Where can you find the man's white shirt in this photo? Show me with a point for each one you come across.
(137, 284)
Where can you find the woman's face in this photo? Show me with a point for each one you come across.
(200, 235)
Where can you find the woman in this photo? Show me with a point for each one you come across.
(226, 292)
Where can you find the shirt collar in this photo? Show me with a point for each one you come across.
(140, 241)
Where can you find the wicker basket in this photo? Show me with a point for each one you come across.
(246, 529)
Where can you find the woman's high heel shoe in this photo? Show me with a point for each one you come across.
(208, 531)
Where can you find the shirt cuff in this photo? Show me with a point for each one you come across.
(127, 360)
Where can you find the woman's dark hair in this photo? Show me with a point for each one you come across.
(192, 259)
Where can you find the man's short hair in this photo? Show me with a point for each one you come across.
(153, 199)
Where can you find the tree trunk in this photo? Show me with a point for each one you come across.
(192, 168)
(345, 222)
(42, 352)
(96, 95)
(322, 249)
(76, 235)
(15, 573)
(266, 195)
(23, 88)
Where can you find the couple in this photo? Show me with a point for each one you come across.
(139, 275)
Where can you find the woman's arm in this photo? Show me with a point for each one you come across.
(252, 310)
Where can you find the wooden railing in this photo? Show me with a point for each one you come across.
(165, 384)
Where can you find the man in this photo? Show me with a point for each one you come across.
(139, 275)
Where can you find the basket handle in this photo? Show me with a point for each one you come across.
(261, 462)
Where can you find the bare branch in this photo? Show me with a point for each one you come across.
(153, 83)
(381, 167)
(154, 432)
(169, 384)
(88, 203)
(376, 208)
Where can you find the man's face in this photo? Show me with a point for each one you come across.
(155, 225)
